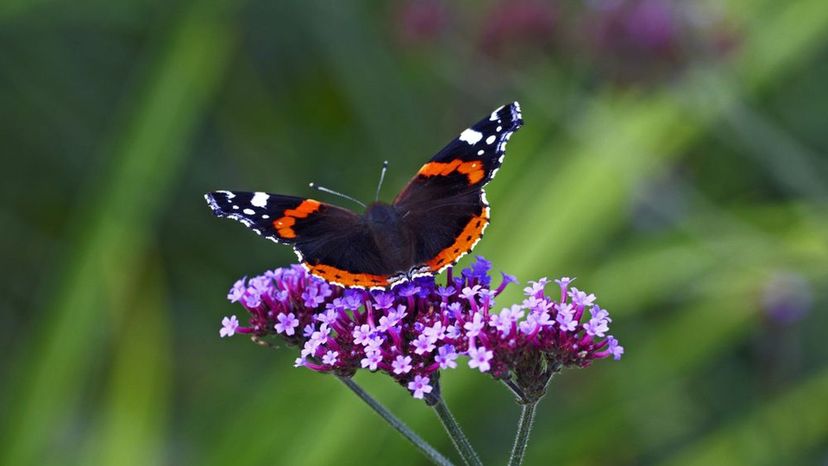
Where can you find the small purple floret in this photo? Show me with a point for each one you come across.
(228, 326)
(371, 360)
(419, 386)
(446, 357)
(402, 364)
(615, 349)
(474, 327)
(287, 324)
(235, 293)
(479, 359)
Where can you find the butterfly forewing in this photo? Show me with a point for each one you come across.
(445, 202)
(331, 242)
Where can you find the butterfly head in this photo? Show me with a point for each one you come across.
(382, 214)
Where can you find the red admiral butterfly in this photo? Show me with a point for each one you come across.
(438, 218)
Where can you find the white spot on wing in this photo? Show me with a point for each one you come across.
(471, 136)
(228, 194)
(213, 204)
(249, 211)
(493, 116)
(490, 139)
(480, 152)
(260, 199)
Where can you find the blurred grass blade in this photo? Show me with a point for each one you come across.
(133, 428)
(111, 234)
(774, 433)
(799, 170)
(366, 74)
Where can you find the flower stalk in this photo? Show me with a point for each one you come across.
(527, 417)
(425, 448)
(520, 397)
(461, 442)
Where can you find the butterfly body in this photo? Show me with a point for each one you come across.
(392, 236)
(436, 219)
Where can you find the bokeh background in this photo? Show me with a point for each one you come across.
(673, 159)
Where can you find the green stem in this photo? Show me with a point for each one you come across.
(456, 433)
(520, 397)
(397, 424)
(527, 416)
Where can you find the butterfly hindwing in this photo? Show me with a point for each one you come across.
(331, 242)
(445, 203)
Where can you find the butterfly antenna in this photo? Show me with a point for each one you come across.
(382, 178)
(331, 191)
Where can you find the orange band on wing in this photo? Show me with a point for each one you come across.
(306, 208)
(333, 274)
(473, 170)
(464, 243)
(284, 224)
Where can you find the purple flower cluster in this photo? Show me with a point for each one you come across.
(418, 328)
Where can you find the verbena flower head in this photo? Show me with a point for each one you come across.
(415, 330)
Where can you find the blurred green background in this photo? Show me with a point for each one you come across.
(673, 159)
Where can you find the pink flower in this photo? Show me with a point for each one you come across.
(446, 357)
(287, 324)
(228, 326)
(371, 360)
(402, 365)
(479, 358)
(419, 386)
(474, 327)
(422, 345)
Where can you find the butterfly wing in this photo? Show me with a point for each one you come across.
(331, 242)
(445, 204)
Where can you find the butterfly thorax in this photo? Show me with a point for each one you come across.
(391, 235)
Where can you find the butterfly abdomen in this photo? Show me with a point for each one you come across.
(392, 237)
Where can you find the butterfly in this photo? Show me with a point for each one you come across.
(435, 220)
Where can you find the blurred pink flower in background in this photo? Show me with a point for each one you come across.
(420, 21)
(634, 41)
(513, 25)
